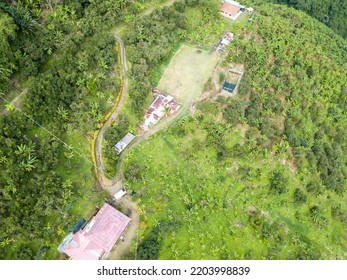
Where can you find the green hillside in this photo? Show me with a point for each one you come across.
(333, 13)
(261, 175)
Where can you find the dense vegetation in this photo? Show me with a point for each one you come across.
(262, 175)
(331, 12)
(68, 62)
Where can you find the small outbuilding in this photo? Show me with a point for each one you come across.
(122, 144)
(120, 194)
(229, 87)
(250, 10)
(227, 38)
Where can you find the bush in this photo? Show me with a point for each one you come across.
(278, 182)
(299, 196)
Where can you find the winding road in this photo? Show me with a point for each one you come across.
(112, 186)
(103, 181)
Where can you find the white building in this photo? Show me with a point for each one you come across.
(161, 106)
(120, 194)
(227, 39)
(122, 144)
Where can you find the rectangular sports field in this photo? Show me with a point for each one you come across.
(187, 73)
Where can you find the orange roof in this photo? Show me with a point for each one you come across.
(230, 9)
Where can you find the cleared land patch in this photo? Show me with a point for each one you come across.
(187, 74)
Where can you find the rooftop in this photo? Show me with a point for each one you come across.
(230, 9)
(99, 235)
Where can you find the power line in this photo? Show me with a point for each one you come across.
(49, 132)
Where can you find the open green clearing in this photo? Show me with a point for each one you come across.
(187, 73)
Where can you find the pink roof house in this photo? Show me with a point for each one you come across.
(81, 248)
(99, 235)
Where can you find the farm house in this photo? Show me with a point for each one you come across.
(161, 106)
(98, 236)
(231, 9)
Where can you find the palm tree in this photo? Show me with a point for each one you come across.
(22, 150)
(69, 155)
(21, 17)
(29, 164)
(3, 159)
(123, 3)
(63, 113)
(166, 110)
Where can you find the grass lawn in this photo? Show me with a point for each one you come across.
(187, 73)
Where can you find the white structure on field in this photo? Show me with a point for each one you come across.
(227, 39)
(250, 10)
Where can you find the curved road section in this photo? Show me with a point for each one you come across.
(112, 186)
(103, 181)
(129, 207)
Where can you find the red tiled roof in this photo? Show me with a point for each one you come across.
(157, 102)
(229, 9)
(150, 111)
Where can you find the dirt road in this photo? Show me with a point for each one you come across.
(116, 184)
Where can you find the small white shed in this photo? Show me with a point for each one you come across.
(120, 194)
(250, 10)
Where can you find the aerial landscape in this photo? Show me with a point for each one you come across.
(173, 130)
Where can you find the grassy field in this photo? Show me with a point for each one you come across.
(187, 73)
(197, 204)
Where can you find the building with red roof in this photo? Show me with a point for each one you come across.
(161, 105)
(99, 235)
(231, 9)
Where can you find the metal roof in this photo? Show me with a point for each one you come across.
(122, 144)
(99, 235)
(108, 227)
(82, 248)
(229, 87)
